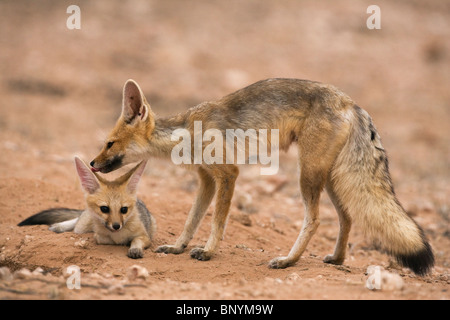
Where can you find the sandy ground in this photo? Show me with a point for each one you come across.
(61, 93)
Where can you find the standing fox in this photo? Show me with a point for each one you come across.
(113, 212)
(339, 150)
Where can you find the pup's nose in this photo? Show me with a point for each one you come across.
(116, 226)
(92, 163)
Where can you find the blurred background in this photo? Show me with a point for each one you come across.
(61, 88)
(61, 92)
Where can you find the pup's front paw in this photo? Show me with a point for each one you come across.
(135, 253)
(201, 254)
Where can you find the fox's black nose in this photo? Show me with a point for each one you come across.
(116, 226)
(92, 163)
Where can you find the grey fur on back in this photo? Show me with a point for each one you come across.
(146, 218)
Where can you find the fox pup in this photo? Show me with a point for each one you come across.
(113, 212)
(339, 151)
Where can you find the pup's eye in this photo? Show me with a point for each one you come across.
(124, 210)
(109, 144)
(104, 209)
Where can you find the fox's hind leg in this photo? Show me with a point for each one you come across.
(319, 143)
(64, 226)
(345, 224)
(311, 185)
(84, 223)
(225, 178)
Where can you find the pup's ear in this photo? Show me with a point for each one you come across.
(133, 181)
(133, 103)
(88, 180)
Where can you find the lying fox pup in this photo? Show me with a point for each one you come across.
(113, 212)
(339, 150)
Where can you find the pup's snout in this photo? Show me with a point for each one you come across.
(116, 226)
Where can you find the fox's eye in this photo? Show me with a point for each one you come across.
(104, 209)
(109, 144)
(124, 210)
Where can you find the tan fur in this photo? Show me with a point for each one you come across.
(115, 195)
(381, 214)
(339, 150)
(135, 227)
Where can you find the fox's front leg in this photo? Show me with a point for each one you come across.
(198, 210)
(225, 181)
(137, 247)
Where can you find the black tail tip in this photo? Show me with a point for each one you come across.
(26, 222)
(419, 262)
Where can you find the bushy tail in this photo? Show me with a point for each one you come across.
(364, 187)
(51, 216)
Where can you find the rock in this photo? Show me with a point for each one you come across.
(137, 272)
(23, 274)
(38, 271)
(243, 246)
(293, 277)
(82, 243)
(116, 289)
(391, 281)
(161, 255)
(5, 274)
(380, 279)
(28, 239)
(373, 268)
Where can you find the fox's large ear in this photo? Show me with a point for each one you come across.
(133, 102)
(136, 177)
(88, 180)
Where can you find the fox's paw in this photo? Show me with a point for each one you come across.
(170, 249)
(135, 253)
(201, 254)
(333, 260)
(280, 263)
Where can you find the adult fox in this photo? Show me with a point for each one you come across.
(339, 150)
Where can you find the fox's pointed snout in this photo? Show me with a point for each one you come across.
(108, 165)
(93, 168)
